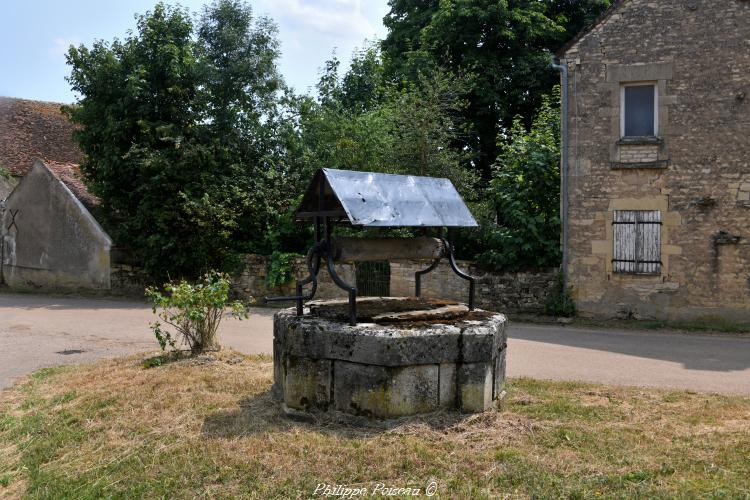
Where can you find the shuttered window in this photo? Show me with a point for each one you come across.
(637, 241)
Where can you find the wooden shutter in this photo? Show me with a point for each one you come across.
(624, 235)
(637, 241)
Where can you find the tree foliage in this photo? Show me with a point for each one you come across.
(180, 123)
(504, 45)
(524, 195)
(199, 152)
(362, 123)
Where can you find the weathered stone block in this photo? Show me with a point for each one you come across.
(447, 385)
(383, 392)
(498, 390)
(366, 343)
(315, 367)
(481, 342)
(475, 383)
(307, 383)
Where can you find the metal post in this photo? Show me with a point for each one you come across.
(300, 309)
(342, 284)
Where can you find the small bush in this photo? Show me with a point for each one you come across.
(194, 311)
(559, 302)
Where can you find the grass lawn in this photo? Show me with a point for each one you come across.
(209, 427)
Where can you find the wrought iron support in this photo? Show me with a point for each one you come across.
(352, 291)
(470, 279)
(312, 277)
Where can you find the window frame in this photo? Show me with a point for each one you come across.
(655, 85)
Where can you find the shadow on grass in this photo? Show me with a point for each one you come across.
(262, 413)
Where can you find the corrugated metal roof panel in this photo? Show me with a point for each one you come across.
(387, 200)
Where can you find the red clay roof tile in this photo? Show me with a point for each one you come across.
(38, 129)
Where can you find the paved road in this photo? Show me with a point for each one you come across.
(38, 331)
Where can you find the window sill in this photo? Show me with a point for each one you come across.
(639, 141)
(650, 165)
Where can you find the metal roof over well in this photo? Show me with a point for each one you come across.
(385, 200)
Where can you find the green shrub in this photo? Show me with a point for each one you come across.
(194, 311)
(524, 194)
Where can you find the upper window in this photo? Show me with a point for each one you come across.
(638, 114)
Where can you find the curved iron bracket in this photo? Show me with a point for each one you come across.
(470, 279)
(312, 277)
(352, 291)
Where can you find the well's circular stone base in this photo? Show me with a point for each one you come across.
(419, 357)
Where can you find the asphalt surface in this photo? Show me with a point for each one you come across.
(39, 331)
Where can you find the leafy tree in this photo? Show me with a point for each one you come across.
(402, 46)
(359, 123)
(362, 87)
(180, 129)
(524, 195)
(338, 130)
(503, 44)
(425, 120)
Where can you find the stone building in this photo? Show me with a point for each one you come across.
(658, 161)
(50, 240)
(48, 237)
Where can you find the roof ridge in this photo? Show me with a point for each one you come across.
(40, 101)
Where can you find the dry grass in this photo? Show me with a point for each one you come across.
(209, 427)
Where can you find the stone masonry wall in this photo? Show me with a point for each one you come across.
(252, 282)
(697, 53)
(638, 154)
(503, 292)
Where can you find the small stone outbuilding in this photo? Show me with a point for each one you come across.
(48, 237)
(659, 161)
(50, 240)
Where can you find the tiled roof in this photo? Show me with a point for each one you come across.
(38, 129)
(70, 174)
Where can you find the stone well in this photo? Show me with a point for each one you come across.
(405, 356)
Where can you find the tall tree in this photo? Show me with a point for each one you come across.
(503, 44)
(425, 121)
(361, 123)
(177, 131)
